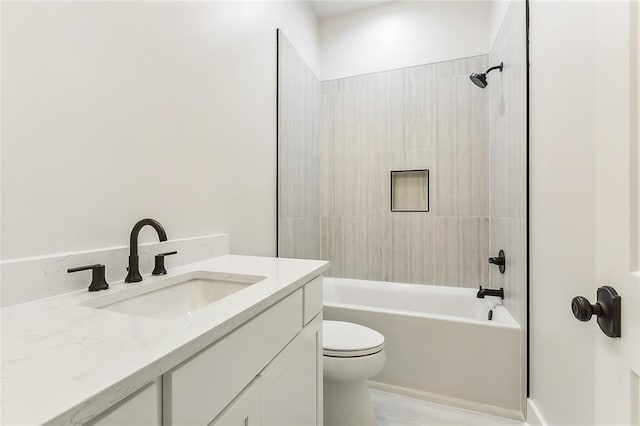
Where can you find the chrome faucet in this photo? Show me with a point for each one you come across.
(134, 267)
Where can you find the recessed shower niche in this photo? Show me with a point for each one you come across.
(410, 190)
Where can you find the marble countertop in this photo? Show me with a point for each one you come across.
(63, 363)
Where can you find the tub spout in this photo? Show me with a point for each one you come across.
(482, 292)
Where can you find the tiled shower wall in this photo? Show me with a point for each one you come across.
(426, 117)
(508, 130)
(298, 155)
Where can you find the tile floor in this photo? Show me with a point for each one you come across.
(399, 410)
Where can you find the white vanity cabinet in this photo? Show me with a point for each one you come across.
(268, 371)
(195, 392)
(287, 392)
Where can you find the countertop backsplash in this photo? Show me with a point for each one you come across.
(32, 278)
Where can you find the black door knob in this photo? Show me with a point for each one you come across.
(583, 310)
(606, 309)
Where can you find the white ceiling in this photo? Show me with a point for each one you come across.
(329, 8)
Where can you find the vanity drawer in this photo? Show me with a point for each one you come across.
(312, 299)
(245, 410)
(197, 391)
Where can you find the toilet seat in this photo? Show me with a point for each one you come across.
(348, 340)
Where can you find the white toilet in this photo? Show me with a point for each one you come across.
(352, 354)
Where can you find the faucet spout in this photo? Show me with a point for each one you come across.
(133, 275)
(482, 292)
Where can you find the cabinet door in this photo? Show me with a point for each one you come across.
(244, 410)
(292, 382)
(198, 390)
(140, 409)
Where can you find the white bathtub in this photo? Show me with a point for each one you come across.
(439, 342)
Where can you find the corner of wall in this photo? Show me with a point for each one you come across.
(303, 33)
(497, 14)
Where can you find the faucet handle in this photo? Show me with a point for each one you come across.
(500, 261)
(159, 268)
(98, 281)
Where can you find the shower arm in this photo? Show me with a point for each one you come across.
(497, 67)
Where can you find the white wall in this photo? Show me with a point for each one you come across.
(116, 111)
(497, 13)
(562, 201)
(402, 34)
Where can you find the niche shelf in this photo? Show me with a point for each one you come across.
(410, 190)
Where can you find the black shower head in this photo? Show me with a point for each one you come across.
(480, 79)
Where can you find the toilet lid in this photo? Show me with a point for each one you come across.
(346, 339)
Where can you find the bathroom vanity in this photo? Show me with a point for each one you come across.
(166, 351)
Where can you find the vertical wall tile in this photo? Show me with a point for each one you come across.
(412, 252)
(298, 155)
(299, 238)
(421, 117)
(508, 133)
(396, 114)
(426, 107)
(410, 102)
(377, 91)
(444, 176)
(508, 130)
(331, 245)
(347, 158)
(472, 148)
(327, 183)
(474, 251)
(377, 183)
(446, 249)
(379, 247)
(354, 243)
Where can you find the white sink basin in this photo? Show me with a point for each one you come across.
(174, 296)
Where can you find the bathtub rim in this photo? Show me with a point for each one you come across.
(337, 282)
(407, 313)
